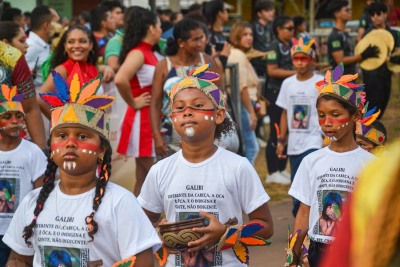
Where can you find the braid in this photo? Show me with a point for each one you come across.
(48, 186)
(105, 174)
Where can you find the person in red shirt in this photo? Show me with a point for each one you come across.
(393, 14)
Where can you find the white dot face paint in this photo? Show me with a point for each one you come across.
(212, 118)
(175, 120)
(206, 117)
(332, 138)
(189, 131)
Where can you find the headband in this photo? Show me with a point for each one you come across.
(9, 100)
(303, 45)
(342, 86)
(366, 130)
(202, 80)
(78, 103)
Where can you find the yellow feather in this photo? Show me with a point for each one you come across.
(241, 252)
(200, 69)
(347, 78)
(88, 90)
(75, 87)
(373, 118)
(293, 240)
(13, 92)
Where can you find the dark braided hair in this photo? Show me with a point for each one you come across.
(60, 56)
(101, 184)
(136, 26)
(48, 186)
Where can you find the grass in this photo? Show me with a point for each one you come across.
(391, 120)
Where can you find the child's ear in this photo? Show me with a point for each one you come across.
(357, 115)
(220, 117)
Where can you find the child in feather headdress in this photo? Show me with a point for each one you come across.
(22, 163)
(204, 179)
(98, 222)
(370, 132)
(329, 173)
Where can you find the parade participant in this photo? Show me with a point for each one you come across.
(378, 81)
(365, 21)
(241, 38)
(333, 169)
(184, 52)
(340, 44)
(23, 162)
(134, 82)
(299, 127)
(372, 213)
(202, 173)
(103, 27)
(263, 33)
(12, 34)
(38, 41)
(98, 222)
(370, 132)
(77, 44)
(16, 72)
(279, 67)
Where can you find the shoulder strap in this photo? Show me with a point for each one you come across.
(169, 64)
(202, 58)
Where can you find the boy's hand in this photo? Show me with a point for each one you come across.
(211, 233)
(279, 151)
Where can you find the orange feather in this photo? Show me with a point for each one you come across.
(88, 90)
(253, 241)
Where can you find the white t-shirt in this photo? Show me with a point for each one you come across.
(37, 53)
(19, 168)
(124, 229)
(323, 182)
(224, 184)
(299, 98)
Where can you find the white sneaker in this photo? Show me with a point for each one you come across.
(286, 174)
(278, 178)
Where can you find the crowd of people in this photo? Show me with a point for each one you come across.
(57, 206)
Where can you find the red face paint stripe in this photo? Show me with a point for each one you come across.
(197, 111)
(79, 144)
(335, 121)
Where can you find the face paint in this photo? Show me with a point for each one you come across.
(334, 121)
(206, 112)
(86, 148)
(343, 125)
(332, 138)
(189, 131)
(71, 165)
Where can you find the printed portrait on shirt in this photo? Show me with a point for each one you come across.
(332, 207)
(300, 116)
(7, 195)
(63, 257)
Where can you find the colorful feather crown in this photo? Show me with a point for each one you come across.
(9, 100)
(200, 79)
(336, 83)
(78, 103)
(366, 130)
(303, 45)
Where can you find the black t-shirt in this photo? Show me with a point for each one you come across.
(341, 41)
(281, 56)
(217, 37)
(262, 38)
(365, 20)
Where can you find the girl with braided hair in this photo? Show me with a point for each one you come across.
(81, 211)
(134, 82)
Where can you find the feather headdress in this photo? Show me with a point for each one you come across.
(364, 128)
(201, 79)
(303, 45)
(342, 86)
(78, 104)
(9, 100)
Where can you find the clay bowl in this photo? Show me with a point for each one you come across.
(177, 235)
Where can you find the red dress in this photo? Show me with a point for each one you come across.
(89, 71)
(135, 135)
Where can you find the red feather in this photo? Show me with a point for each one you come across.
(52, 100)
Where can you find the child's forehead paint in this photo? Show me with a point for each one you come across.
(79, 144)
(194, 110)
(333, 120)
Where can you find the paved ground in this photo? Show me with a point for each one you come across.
(274, 255)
